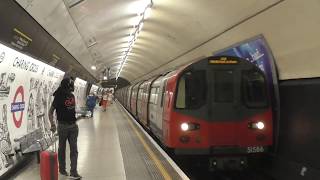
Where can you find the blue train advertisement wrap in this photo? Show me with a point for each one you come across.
(257, 52)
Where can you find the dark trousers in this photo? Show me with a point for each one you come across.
(70, 133)
(91, 110)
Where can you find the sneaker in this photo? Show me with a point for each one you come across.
(64, 173)
(75, 176)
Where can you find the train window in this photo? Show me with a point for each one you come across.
(140, 94)
(223, 86)
(163, 92)
(191, 92)
(134, 94)
(156, 96)
(153, 96)
(181, 96)
(145, 94)
(254, 88)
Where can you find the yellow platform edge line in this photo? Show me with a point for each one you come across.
(158, 163)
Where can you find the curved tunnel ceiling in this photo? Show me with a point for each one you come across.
(96, 32)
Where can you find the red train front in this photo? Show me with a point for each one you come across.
(218, 106)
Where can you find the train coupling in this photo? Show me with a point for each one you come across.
(227, 163)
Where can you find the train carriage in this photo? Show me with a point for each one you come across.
(133, 99)
(144, 110)
(218, 106)
(156, 105)
(128, 97)
(125, 96)
(140, 102)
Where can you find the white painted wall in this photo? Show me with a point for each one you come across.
(292, 30)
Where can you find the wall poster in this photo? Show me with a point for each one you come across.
(26, 88)
(80, 87)
(94, 89)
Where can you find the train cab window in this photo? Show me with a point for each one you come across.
(254, 88)
(223, 86)
(191, 90)
(181, 96)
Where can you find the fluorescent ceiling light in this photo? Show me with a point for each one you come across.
(140, 26)
(135, 20)
(139, 6)
(147, 13)
(72, 3)
(92, 44)
(93, 67)
(143, 10)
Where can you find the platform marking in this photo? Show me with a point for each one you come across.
(159, 165)
(163, 153)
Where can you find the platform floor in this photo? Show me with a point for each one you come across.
(112, 147)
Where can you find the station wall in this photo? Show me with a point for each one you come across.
(290, 27)
(298, 155)
(26, 88)
(26, 94)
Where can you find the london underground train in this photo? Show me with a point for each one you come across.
(218, 107)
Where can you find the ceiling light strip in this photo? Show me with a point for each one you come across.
(134, 35)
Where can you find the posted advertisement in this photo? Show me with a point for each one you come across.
(26, 88)
(80, 87)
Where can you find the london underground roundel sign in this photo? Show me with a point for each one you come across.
(17, 106)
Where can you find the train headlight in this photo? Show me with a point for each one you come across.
(184, 126)
(189, 126)
(257, 125)
(260, 125)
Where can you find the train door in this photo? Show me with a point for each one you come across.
(133, 102)
(136, 91)
(169, 89)
(128, 99)
(225, 105)
(125, 92)
(153, 108)
(139, 101)
(159, 109)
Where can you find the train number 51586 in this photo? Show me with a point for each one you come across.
(255, 149)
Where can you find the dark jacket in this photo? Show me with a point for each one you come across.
(64, 103)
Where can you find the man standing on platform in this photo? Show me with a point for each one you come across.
(64, 104)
